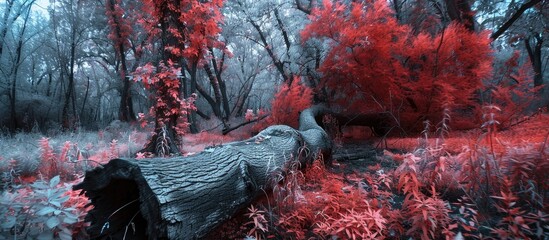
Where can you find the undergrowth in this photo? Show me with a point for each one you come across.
(492, 189)
(37, 175)
(42, 210)
(495, 187)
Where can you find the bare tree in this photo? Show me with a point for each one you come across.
(69, 20)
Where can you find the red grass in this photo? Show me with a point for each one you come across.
(483, 188)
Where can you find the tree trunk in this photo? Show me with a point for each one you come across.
(5, 24)
(167, 106)
(15, 72)
(223, 88)
(69, 117)
(126, 113)
(164, 141)
(85, 98)
(216, 100)
(460, 11)
(186, 197)
(218, 69)
(534, 53)
(535, 56)
(193, 124)
(13, 89)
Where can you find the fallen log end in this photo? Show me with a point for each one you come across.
(118, 192)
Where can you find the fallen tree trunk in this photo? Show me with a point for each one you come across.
(186, 197)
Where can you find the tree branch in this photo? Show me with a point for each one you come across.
(513, 18)
(228, 130)
(282, 29)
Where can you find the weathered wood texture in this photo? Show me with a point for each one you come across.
(185, 197)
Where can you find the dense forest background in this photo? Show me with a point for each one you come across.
(74, 64)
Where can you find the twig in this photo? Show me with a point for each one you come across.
(228, 130)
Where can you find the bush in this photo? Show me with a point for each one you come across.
(42, 210)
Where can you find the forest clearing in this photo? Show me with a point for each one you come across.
(286, 119)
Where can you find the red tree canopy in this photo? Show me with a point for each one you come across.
(192, 26)
(377, 65)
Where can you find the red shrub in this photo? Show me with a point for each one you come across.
(512, 91)
(376, 64)
(287, 104)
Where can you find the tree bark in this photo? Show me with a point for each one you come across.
(186, 197)
(214, 82)
(85, 98)
(69, 117)
(164, 141)
(5, 23)
(535, 56)
(125, 112)
(15, 71)
(218, 69)
(460, 11)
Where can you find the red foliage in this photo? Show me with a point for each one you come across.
(363, 46)
(120, 26)
(321, 203)
(512, 91)
(167, 96)
(80, 206)
(63, 157)
(249, 116)
(287, 104)
(428, 215)
(258, 222)
(188, 29)
(516, 223)
(113, 149)
(49, 164)
(194, 25)
(406, 173)
(414, 200)
(376, 64)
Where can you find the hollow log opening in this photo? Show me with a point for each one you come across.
(118, 215)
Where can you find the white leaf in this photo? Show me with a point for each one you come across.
(53, 222)
(9, 223)
(45, 236)
(45, 211)
(54, 181)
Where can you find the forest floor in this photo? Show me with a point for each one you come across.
(471, 183)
